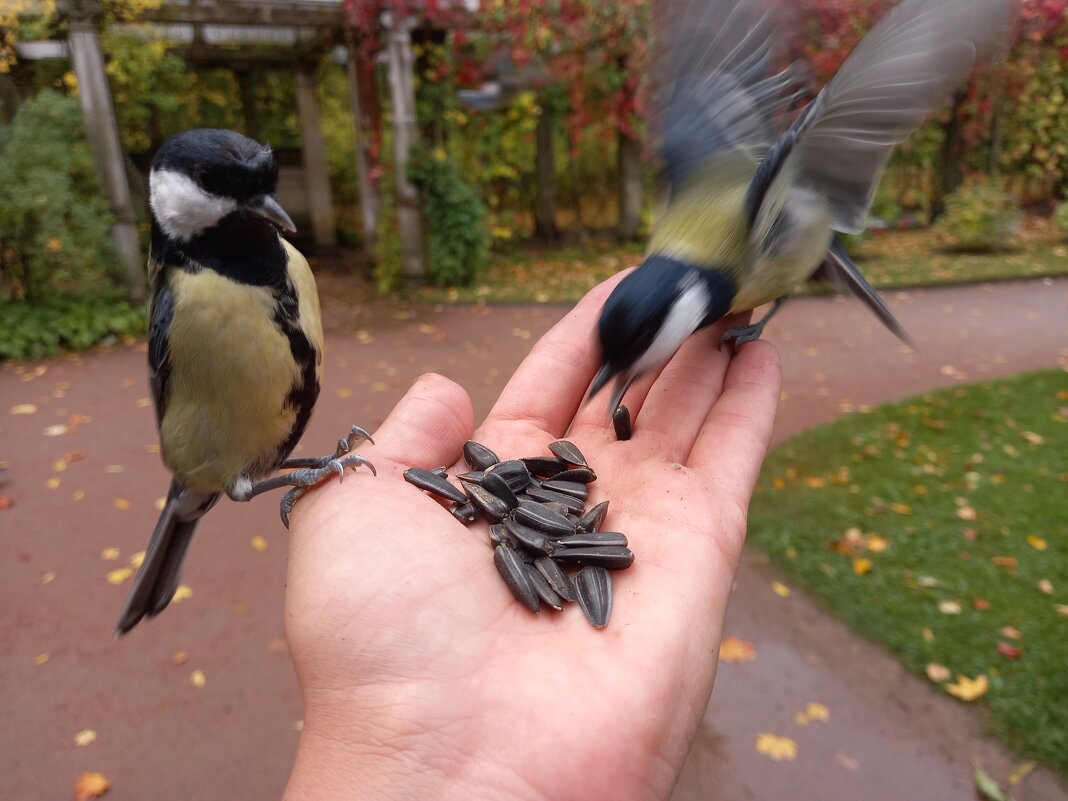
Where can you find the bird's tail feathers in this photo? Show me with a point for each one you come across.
(839, 269)
(157, 580)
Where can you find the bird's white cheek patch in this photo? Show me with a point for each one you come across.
(182, 208)
(687, 313)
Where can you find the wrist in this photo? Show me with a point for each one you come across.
(345, 754)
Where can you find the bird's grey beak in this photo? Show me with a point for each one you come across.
(604, 375)
(269, 208)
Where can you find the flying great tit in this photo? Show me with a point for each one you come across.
(748, 217)
(235, 345)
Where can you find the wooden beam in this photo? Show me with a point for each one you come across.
(103, 133)
(290, 15)
(362, 127)
(317, 176)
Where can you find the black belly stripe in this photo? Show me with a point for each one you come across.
(302, 397)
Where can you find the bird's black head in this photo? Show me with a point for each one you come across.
(202, 176)
(649, 315)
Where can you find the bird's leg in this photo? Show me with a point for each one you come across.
(355, 435)
(309, 473)
(747, 333)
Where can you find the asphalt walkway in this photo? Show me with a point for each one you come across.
(202, 702)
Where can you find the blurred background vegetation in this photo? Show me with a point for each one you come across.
(533, 162)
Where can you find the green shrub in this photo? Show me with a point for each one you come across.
(1060, 218)
(457, 238)
(980, 219)
(54, 221)
(30, 331)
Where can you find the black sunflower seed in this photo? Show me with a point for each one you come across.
(514, 472)
(612, 557)
(500, 535)
(538, 516)
(543, 589)
(515, 575)
(544, 466)
(567, 451)
(489, 504)
(583, 475)
(464, 512)
(494, 484)
(478, 456)
(557, 578)
(546, 496)
(621, 423)
(434, 483)
(593, 591)
(594, 518)
(593, 539)
(472, 477)
(575, 489)
(529, 539)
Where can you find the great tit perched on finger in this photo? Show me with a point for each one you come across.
(750, 216)
(235, 345)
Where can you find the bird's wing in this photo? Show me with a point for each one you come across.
(161, 311)
(903, 70)
(714, 96)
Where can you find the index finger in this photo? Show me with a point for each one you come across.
(549, 385)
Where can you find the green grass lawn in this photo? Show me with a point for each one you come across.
(888, 259)
(939, 526)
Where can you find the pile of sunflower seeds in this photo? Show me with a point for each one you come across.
(540, 528)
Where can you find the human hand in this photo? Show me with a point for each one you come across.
(422, 677)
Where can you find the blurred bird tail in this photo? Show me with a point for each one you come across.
(839, 269)
(157, 580)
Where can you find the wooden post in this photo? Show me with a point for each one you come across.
(317, 176)
(361, 121)
(545, 168)
(248, 103)
(630, 186)
(103, 134)
(402, 95)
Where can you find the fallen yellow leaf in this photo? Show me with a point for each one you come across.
(1045, 586)
(901, 508)
(258, 543)
(780, 589)
(862, 566)
(119, 575)
(90, 785)
(121, 503)
(84, 737)
(949, 607)
(967, 513)
(110, 554)
(928, 634)
(1033, 438)
(733, 649)
(197, 679)
(181, 657)
(40, 659)
(184, 591)
(52, 483)
(1036, 542)
(817, 711)
(1011, 633)
(24, 408)
(48, 578)
(1020, 772)
(137, 558)
(875, 543)
(938, 673)
(776, 747)
(1061, 609)
(967, 689)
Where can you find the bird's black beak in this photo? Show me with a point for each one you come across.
(604, 375)
(269, 208)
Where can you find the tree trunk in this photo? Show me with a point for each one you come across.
(545, 167)
(630, 187)
(951, 167)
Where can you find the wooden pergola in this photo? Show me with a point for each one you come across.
(289, 34)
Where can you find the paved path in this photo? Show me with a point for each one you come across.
(890, 735)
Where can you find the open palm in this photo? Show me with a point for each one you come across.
(423, 677)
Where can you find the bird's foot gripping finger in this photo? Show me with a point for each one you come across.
(344, 446)
(741, 334)
(304, 479)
